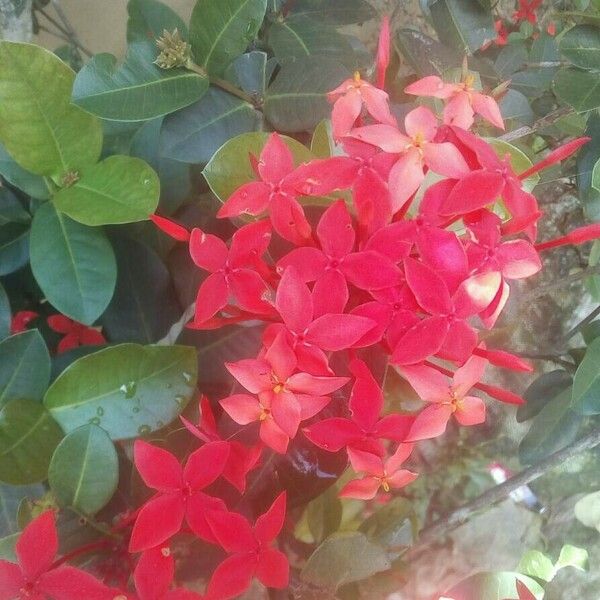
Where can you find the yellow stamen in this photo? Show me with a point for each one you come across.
(469, 81)
(357, 79)
(278, 388)
(386, 485)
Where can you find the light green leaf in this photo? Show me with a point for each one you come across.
(84, 470)
(581, 46)
(24, 367)
(11, 497)
(149, 18)
(28, 437)
(230, 167)
(589, 155)
(73, 264)
(587, 510)
(572, 556)
(129, 390)
(586, 383)
(195, 133)
(519, 161)
(334, 12)
(297, 99)
(494, 586)
(32, 185)
(120, 189)
(321, 144)
(137, 90)
(580, 89)
(39, 127)
(343, 558)
(536, 564)
(220, 30)
(324, 514)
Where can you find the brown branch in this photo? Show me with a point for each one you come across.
(544, 289)
(549, 119)
(437, 531)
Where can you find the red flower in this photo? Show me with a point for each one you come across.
(251, 551)
(502, 31)
(364, 430)
(34, 578)
(273, 193)
(379, 473)
(75, 334)
(383, 52)
(526, 11)
(179, 494)
(21, 319)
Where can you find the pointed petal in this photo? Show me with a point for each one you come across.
(250, 291)
(198, 505)
(468, 375)
(37, 545)
(159, 469)
(208, 251)
(249, 242)
(431, 422)
(309, 262)
(243, 409)
(474, 190)
(330, 293)
(476, 293)
(431, 86)
(231, 578)
(337, 332)
(286, 413)
(361, 489)
(429, 288)
(60, 323)
(405, 178)
(377, 104)
(311, 405)
(430, 385)
(459, 112)
(335, 231)
(273, 436)
(304, 383)
(67, 583)
(393, 427)
(393, 463)
(366, 398)
(470, 411)
(488, 108)
(445, 159)
(345, 111)
(401, 478)
(333, 434)
(232, 531)
(394, 241)
(249, 199)
(383, 52)
(254, 374)
(365, 462)
(269, 524)
(281, 357)
(459, 342)
(421, 121)
(369, 270)
(322, 176)
(212, 297)
(276, 160)
(242, 459)
(386, 137)
(171, 228)
(273, 569)
(293, 301)
(154, 573)
(205, 464)
(11, 580)
(518, 259)
(421, 341)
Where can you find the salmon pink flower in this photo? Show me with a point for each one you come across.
(364, 430)
(283, 398)
(75, 334)
(251, 552)
(273, 193)
(463, 101)
(380, 473)
(241, 460)
(179, 492)
(446, 398)
(232, 271)
(417, 150)
(21, 319)
(33, 577)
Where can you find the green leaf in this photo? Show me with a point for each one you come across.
(334, 12)
(120, 189)
(14, 247)
(541, 391)
(572, 556)
(343, 558)
(24, 367)
(519, 161)
(10, 498)
(514, 105)
(39, 127)
(587, 510)
(28, 437)
(586, 383)
(462, 24)
(324, 514)
(493, 586)
(144, 305)
(220, 30)
(84, 470)
(424, 54)
(129, 389)
(580, 89)
(194, 134)
(5, 313)
(251, 72)
(532, 83)
(511, 59)
(7, 547)
(554, 427)
(73, 264)
(321, 144)
(297, 99)
(393, 525)
(581, 46)
(32, 185)
(149, 18)
(137, 90)
(589, 155)
(11, 209)
(536, 564)
(230, 167)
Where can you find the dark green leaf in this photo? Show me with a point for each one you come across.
(493, 586)
(553, 428)
(84, 470)
(73, 264)
(514, 105)
(544, 49)
(334, 12)
(589, 155)
(220, 30)
(581, 46)
(120, 189)
(11, 497)
(5, 313)
(586, 383)
(195, 133)
(24, 367)
(144, 305)
(136, 90)
(511, 58)
(39, 127)
(462, 24)
(541, 391)
(343, 558)
(14, 247)
(297, 99)
(149, 18)
(140, 389)
(580, 89)
(32, 185)
(28, 437)
(324, 514)
(393, 525)
(532, 82)
(424, 54)
(250, 72)
(11, 209)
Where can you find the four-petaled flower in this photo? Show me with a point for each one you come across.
(74, 334)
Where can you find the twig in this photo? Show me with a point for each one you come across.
(555, 358)
(542, 290)
(582, 324)
(67, 36)
(543, 122)
(67, 24)
(436, 531)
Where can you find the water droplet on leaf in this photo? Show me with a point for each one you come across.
(99, 411)
(94, 421)
(143, 429)
(187, 377)
(129, 389)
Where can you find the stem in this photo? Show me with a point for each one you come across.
(79, 551)
(103, 529)
(555, 358)
(67, 36)
(69, 28)
(437, 530)
(582, 323)
(539, 124)
(542, 290)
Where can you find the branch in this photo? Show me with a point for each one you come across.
(539, 124)
(544, 289)
(436, 531)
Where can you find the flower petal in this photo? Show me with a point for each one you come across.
(212, 297)
(67, 583)
(366, 398)
(361, 489)
(305, 383)
(333, 434)
(337, 332)
(154, 573)
(232, 577)
(251, 198)
(205, 464)
(335, 231)
(253, 374)
(208, 251)
(293, 301)
(159, 469)
(232, 531)
(470, 411)
(365, 462)
(11, 580)
(269, 524)
(369, 270)
(429, 288)
(273, 569)
(276, 160)
(431, 422)
(421, 341)
(242, 408)
(37, 545)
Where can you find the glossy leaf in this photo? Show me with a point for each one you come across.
(230, 167)
(136, 90)
(142, 388)
(493, 586)
(11, 209)
(572, 556)
(14, 247)
(5, 313)
(40, 129)
(144, 305)
(536, 564)
(73, 264)
(220, 30)
(343, 558)
(334, 12)
(579, 88)
(149, 18)
(514, 105)
(297, 99)
(392, 525)
(194, 134)
(84, 470)
(541, 391)
(251, 72)
(24, 367)
(28, 436)
(586, 383)
(324, 514)
(32, 185)
(120, 189)
(589, 155)
(581, 46)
